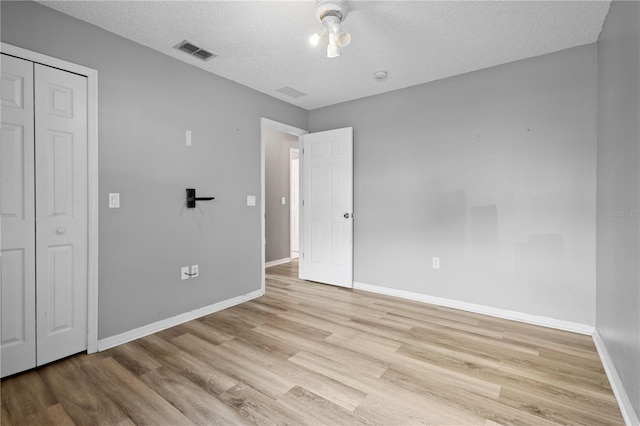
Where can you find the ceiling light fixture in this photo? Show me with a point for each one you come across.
(331, 14)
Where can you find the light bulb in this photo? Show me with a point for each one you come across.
(317, 36)
(315, 39)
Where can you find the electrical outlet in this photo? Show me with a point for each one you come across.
(436, 263)
(194, 271)
(184, 273)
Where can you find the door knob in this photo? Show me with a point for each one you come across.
(347, 215)
(61, 230)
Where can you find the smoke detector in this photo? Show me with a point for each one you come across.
(380, 75)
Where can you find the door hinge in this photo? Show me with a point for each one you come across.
(302, 203)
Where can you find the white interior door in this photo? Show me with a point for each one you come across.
(17, 209)
(327, 219)
(61, 212)
(294, 204)
(44, 213)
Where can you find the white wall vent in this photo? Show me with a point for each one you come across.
(193, 50)
(291, 92)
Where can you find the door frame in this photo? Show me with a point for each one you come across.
(291, 151)
(286, 128)
(92, 176)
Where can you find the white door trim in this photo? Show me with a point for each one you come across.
(92, 165)
(293, 151)
(264, 124)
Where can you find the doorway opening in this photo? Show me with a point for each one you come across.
(279, 193)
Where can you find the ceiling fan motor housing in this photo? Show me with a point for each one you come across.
(325, 8)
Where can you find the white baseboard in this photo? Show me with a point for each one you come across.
(629, 415)
(119, 339)
(480, 309)
(277, 262)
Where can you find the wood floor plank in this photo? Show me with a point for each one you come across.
(262, 379)
(134, 359)
(310, 354)
(317, 410)
(358, 360)
(395, 396)
(526, 379)
(4, 415)
(486, 408)
(423, 411)
(25, 394)
(335, 391)
(429, 314)
(559, 410)
(380, 412)
(54, 415)
(311, 332)
(82, 401)
(138, 401)
(268, 305)
(194, 369)
(195, 403)
(422, 322)
(259, 409)
(206, 332)
(210, 379)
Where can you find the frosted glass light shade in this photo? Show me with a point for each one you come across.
(333, 51)
(343, 39)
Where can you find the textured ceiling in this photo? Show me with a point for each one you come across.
(264, 44)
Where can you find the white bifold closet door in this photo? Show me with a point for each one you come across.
(44, 214)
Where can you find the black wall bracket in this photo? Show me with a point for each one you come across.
(191, 198)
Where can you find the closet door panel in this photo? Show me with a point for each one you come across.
(17, 262)
(61, 212)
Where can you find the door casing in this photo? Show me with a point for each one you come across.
(294, 200)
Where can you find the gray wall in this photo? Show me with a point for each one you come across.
(618, 193)
(146, 102)
(493, 172)
(277, 219)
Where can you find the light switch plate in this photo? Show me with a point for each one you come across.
(251, 200)
(187, 135)
(284, 201)
(114, 200)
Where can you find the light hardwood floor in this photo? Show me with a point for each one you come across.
(308, 353)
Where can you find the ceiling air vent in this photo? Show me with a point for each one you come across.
(291, 92)
(203, 54)
(193, 50)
